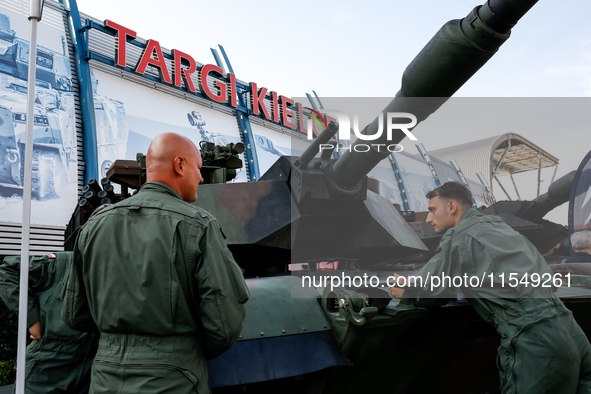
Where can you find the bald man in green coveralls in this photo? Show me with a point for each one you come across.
(153, 274)
(543, 349)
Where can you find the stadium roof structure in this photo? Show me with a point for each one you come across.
(506, 154)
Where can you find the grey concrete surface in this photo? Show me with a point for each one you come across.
(6, 389)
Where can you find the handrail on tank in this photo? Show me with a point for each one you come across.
(312, 150)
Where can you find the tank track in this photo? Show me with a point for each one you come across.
(42, 165)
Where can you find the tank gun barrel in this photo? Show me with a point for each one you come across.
(450, 58)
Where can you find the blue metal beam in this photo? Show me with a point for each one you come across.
(489, 193)
(481, 179)
(226, 58)
(401, 185)
(86, 95)
(427, 158)
(312, 103)
(464, 180)
(218, 60)
(318, 98)
(246, 133)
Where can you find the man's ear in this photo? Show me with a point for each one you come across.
(452, 206)
(179, 162)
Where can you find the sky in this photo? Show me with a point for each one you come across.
(360, 49)
(293, 47)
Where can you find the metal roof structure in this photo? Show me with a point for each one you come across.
(506, 154)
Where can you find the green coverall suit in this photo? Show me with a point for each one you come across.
(154, 275)
(542, 349)
(60, 361)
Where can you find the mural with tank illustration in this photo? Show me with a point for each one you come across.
(129, 115)
(54, 169)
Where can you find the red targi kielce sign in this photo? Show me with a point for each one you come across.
(183, 65)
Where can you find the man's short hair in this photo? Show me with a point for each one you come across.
(581, 240)
(452, 191)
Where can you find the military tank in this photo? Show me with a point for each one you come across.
(338, 339)
(315, 214)
(54, 136)
(308, 215)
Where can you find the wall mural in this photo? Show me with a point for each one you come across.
(54, 170)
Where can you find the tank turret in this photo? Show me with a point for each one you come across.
(527, 216)
(322, 188)
(534, 210)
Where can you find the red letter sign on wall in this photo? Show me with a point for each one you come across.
(257, 102)
(153, 47)
(204, 74)
(274, 107)
(185, 73)
(232, 92)
(286, 112)
(302, 120)
(120, 41)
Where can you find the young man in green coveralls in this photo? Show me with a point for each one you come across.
(543, 349)
(58, 359)
(154, 275)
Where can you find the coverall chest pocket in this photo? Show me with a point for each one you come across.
(141, 284)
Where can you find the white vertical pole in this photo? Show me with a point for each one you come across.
(36, 8)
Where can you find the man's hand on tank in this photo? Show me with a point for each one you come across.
(396, 292)
(35, 331)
